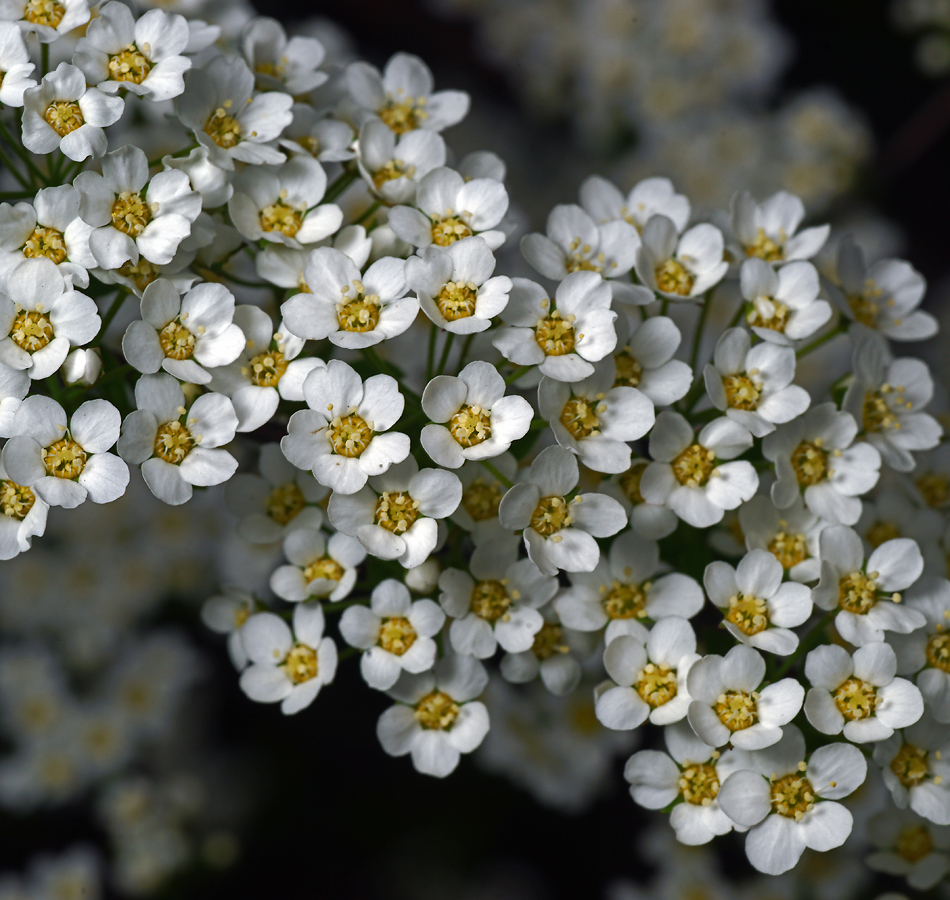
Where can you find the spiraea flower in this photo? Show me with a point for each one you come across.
(15, 65)
(49, 20)
(604, 202)
(770, 230)
(325, 139)
(317, 568)
(23, 516)
(680, 267)
(482, 492)
(782, 305)
(226, 613)
(393, 164)
(281, 63)
(909, 846)
(790, 534)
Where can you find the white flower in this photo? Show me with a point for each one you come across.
(753, 385)
(325, 139)
(145, 56)
(437, 718)
(235, 124)
(915, 764)
(782, 305)
(82, 367)
(226, 613)
(266, 370)
(867, 594)
(883, 296)
(551, 656)
(396, 516)
(318, 568)
(627, 588)
(564, 336)
(208, 179)
(271, 505)
(402, 95)
(909, 846)
(691, 771)
(42, 320)
(892, 513)
(769, 230)
(178, 447)
(680, 267)
(816, 457)
(481, 496)
(648, 680)
(48, 21)
(132, 215)
(603, 202)
(287, 666)
(64, 465)
(22, 516)
(282, 205)
(282, 64)
(730, 706)
(788, 802)
(594, 419)
(392, 165)
(648, 520)
(186, 336)
(342, 438)
(887, 396)
(575, 243)
(497, 604)
(760, 610)
(395, 633)
(352, 310)
(791, 534)
(559, 533)
(472, 418)
(455, 286)
(285, 266)
(686, 473)
(62, 113)
(448, 208)
(15, 65)
(859, 695)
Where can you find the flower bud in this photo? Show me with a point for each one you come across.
(82, 366)
(423, 578)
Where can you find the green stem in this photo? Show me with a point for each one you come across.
(446, 350)
(499, 476)
(339, 186)
(664, 306)
(20, 151)
(698, 332)
(342, 604)
(738, 316)
(815, 344)
(16, 195)
(465, 348)
(16, 173)
(44, 59)
(514, 376)
(111, 313)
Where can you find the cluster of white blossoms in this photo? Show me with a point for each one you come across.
(472, 477)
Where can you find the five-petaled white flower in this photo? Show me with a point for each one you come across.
(392, 165)
(680, 267)
(317, 568)
(782, 305)
(226, 613)
(279, 63)
(769, 230)
(604, 203)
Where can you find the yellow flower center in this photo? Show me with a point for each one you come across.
(173, 442)
(857, 593)
(64, 116)
(326, 567)
(129, 65)
(672, 277)
(390, 171)
(789, 549)
(876, 415)
(554, 334)
(396, 511)
(910, 765)
(855, 699)
(579, 418)
(777, 320)
(548, 641)
(865, 307)
(551, 515)
(913, 844)
(810, 463)
(44, 12)
(490, 600)
(630, 482)
(281, 217)
(360, 312)
(396, 635)
(741, 392)
(64, 459)
(694, 465)
(300, 665)
(456, 300)
(626, 601)
(935, 488)
(579, 258)
(470, 426)
(448, 229)
(404, 114)
(266, 369)
(480, 500)
(699, 783)
(141, 274)
(792, 796)
(765, 248)
(629, 370)
(177, 342)
(130, 213)
(223, 129)
(749, 614)
(737, 710)
(46, 242)
(436, 711)
(31, 331)
(285, 503)
(16, 500)
(656, 684)
(310, 144)
(349, 435)
(938, 652)
(880, 532)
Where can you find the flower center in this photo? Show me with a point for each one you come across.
(630, 482)
(579, 418)
(390, 171)
(865, 307)
(173, 442)
(359, 312)
(470, 426)
(876, 415)
(130, 213)
(550, 515)
(913, 844)
(266, 369)
(31, 331)
(396, 511)
(793, 796)
(855, 699)
(64, 459)
(554, 334)
(16, 500)
(349, 435)
(880, 532)
(456, 300)
(285, 502)
(300, 664)
(749, 614)
(656, 684)
(281, 217)
(699, 783)
(579, 259)
(809, 462)
(765, 248)
(141, 274)
(672, 277)
(767, 312)
(548, 641)
(694, 465)
(938, 652)
(405, 114)
(44, 12)
(326, 568)
(935, 488)
(46, 242)
(628, 369)
(436, 711)
(129, 65)
(857, 593)
(490, 600)
(910, 765)
(223, 129)
(396, 635)
(64, 116)
(177, 342)
(449, 228)
(626, 601)
(737, 710)
(481, 500)
(741, 392)
(789, 549)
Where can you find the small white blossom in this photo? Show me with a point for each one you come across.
(392, 165)
(551, 657)
(481, 496)
(909, 846)
(325, 139)
(226, 613)
(680, 267)
(281, 63)
(791, 534)
(318, 568)
(603, 202)
(783, 304)
(769, 230)
(651, 521)
(50, 23)
(22, 516)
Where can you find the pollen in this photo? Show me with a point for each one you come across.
(390, 171)
(554, 334)
(448, 229)
(882, 531)
(694, 465)
(737, 710)
(857, 593)
(656, 684)
(490, 600)
(396, 635)
(457, 300)
(626, 601)
(396, 511)
(876, 414)
(768, 313)
(866, 307)
(349, 435)
(910, 765)
(938, 652)
(579, 417)
(789, 549)
(793, 796)
(436, 711)
(699, 783)
(481, 500)
(285, 502)
(141, 274)
(130, 213)
(470, 426)
(173, 442)
(177, 342)
(129, 65)
(749, 614)
(16, 500)
(64, 116)
(810, 463)
(64, 459)
(935, 489)
(300, 664)
(223, 129)
(855, 699)
(580, 259)
(359, 313)
(672, 277)
(266, 369)
(44, 12)
(765, 248)
(741, 392)
(630, 482)
(913, 844)
(46, 242)
(281, 217)
(404, 114)
(629, 371)
(550, 516)
(31, 330)
(325, 568)
(548, 641)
